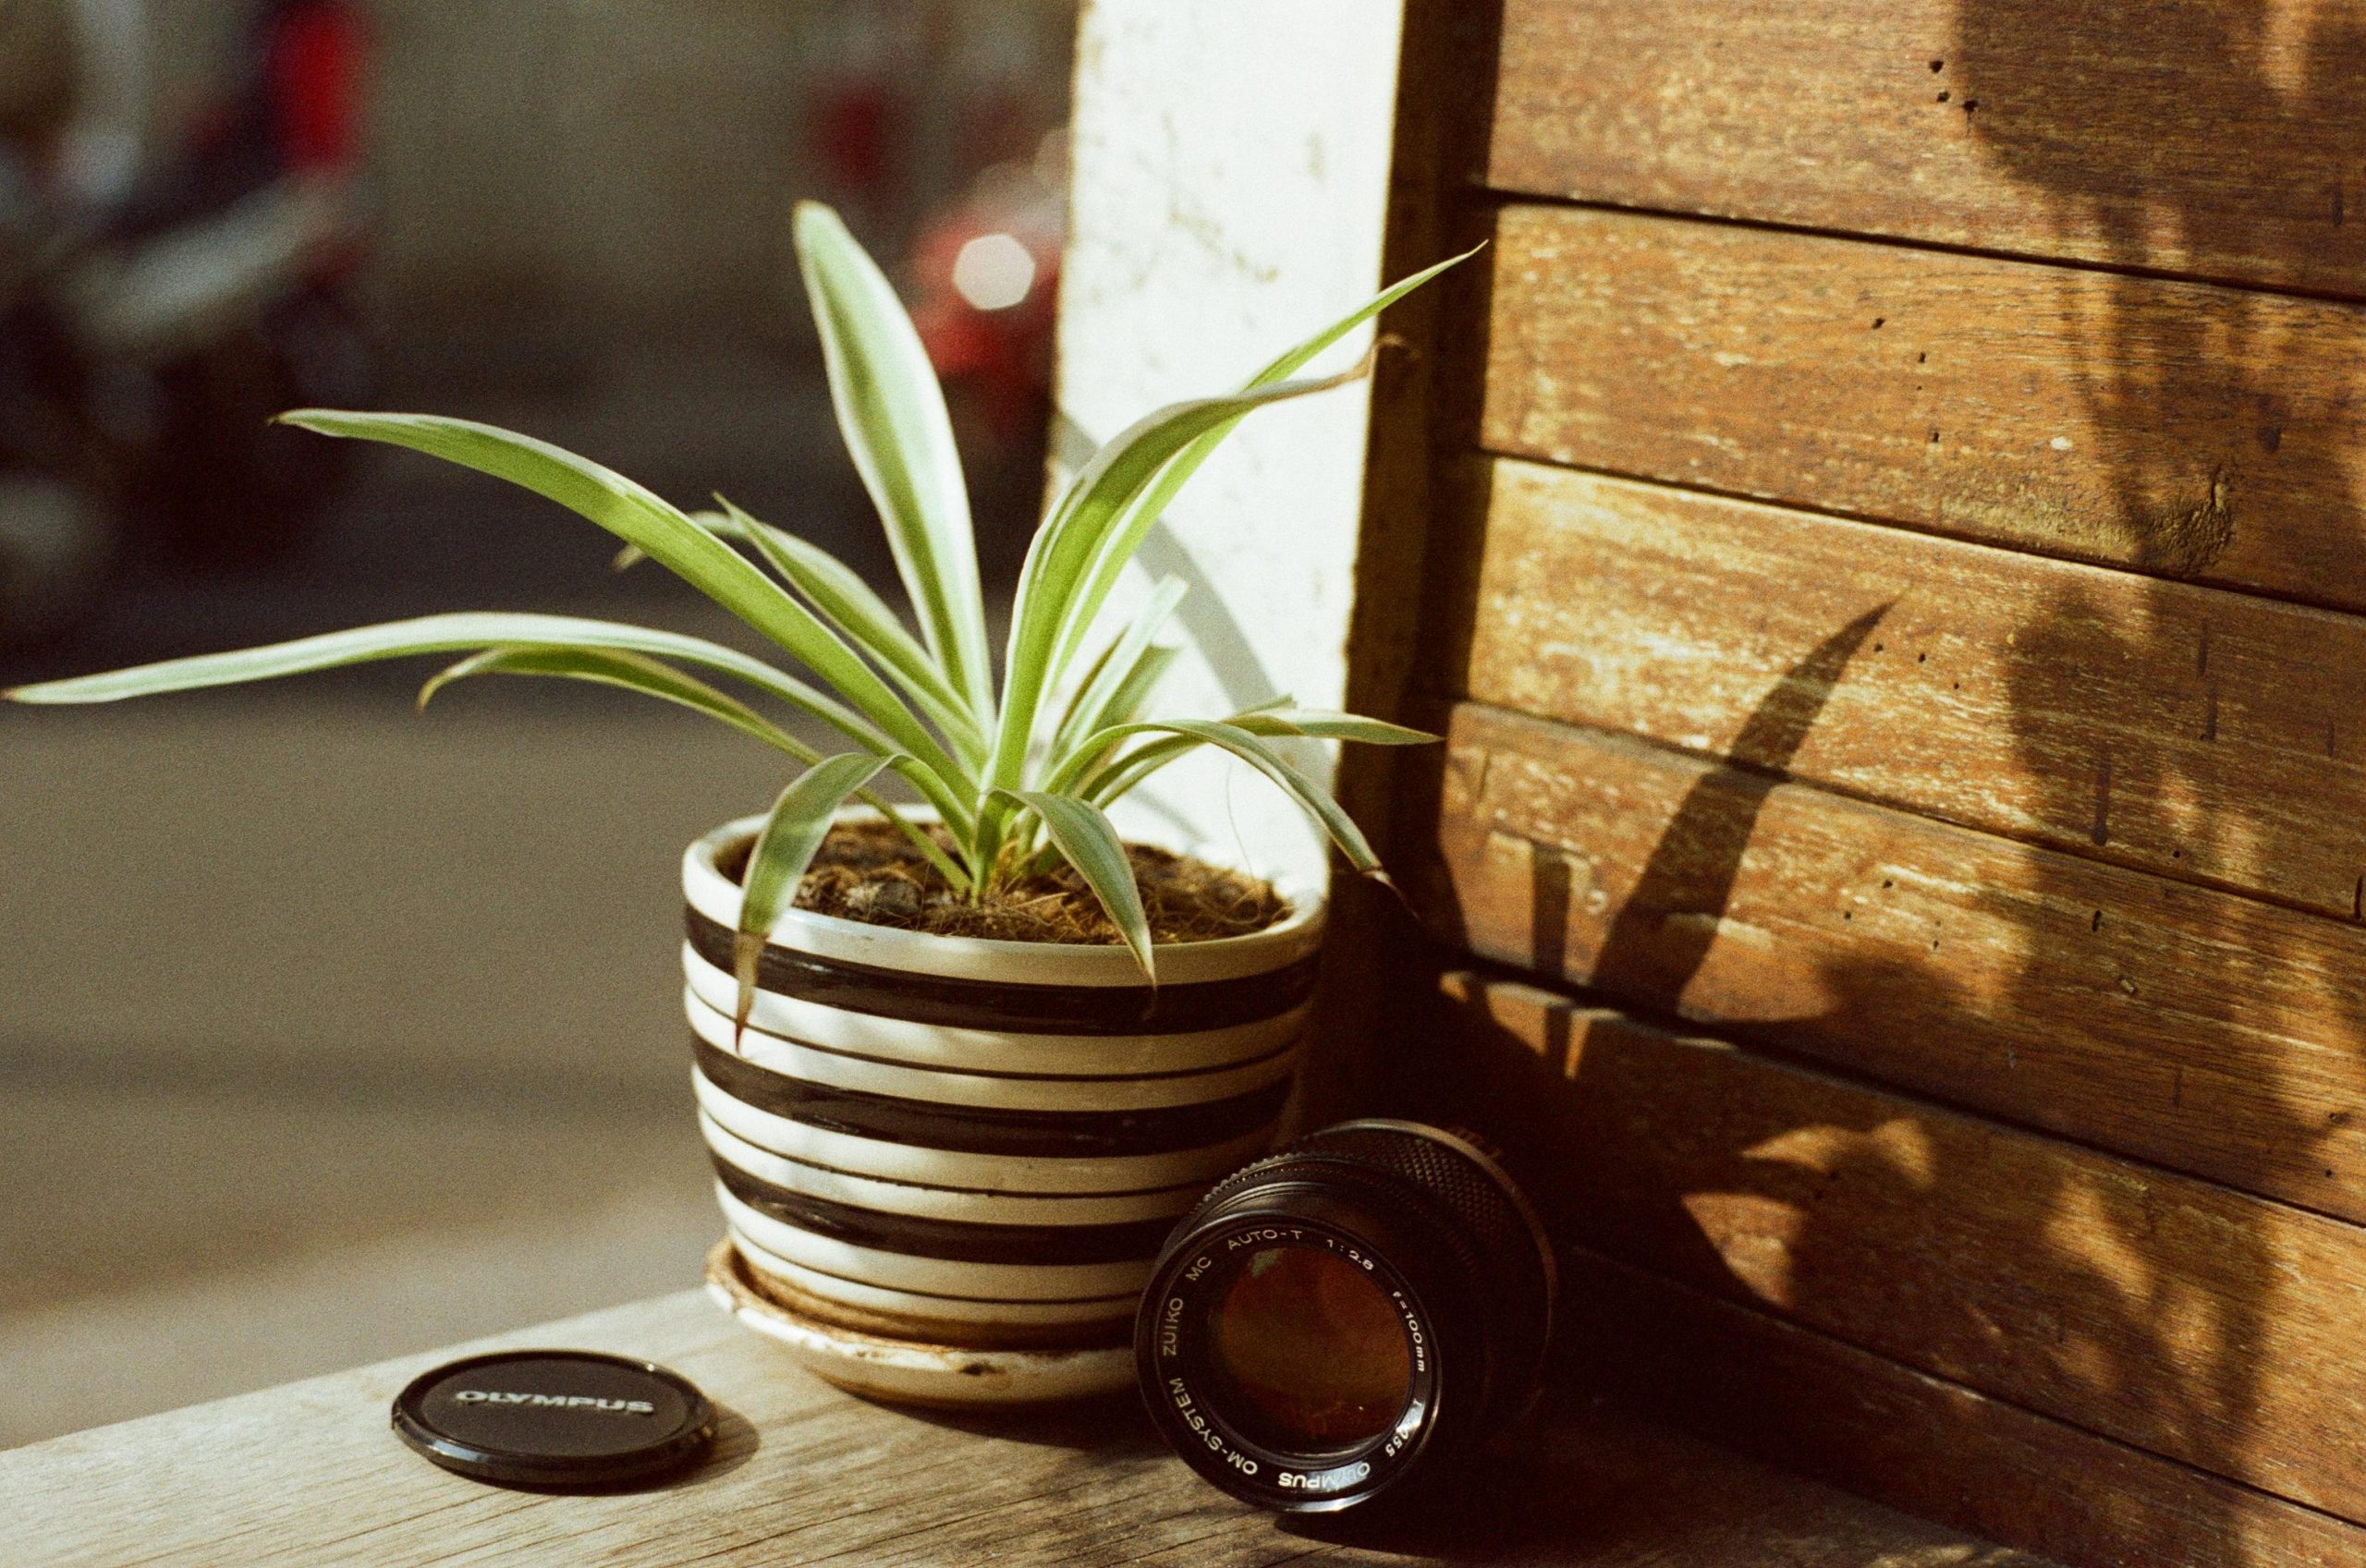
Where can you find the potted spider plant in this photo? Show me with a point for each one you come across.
(959, 1063)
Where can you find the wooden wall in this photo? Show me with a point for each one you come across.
(1896, 594)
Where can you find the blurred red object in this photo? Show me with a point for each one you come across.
(853, 123)
(316, 71)
(986, 274)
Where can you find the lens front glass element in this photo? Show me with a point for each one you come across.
(1309, 1356)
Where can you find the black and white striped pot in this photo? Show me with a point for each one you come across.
(941, 1144)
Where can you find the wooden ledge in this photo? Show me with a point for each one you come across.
(311, 1473)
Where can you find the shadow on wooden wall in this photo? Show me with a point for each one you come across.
(2199, 1351)
(2160, 1340)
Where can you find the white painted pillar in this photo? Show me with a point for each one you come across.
(1230, 190)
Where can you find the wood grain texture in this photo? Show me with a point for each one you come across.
(2211, 1034)
(1932, 1447)
(2188, 1320)
(2206, 136)
(2184, 430)
(310, 1475)
(2202, 734)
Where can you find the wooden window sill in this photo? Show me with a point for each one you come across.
(310, 1473)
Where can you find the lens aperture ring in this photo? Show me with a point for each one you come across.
(1424, 1215)
(1185, 1386)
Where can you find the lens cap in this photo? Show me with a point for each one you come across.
(554, 1418)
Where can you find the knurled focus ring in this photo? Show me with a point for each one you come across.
(1494, 1221)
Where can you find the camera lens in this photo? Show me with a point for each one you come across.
(1364, 1305)
(1276, 1302)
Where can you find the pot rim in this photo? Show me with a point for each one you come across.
(1296, 936)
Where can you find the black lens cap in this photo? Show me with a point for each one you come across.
(554, 1418)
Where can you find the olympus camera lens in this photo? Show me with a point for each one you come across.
(1369, 1301)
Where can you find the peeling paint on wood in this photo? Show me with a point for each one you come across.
(2169, 1313)
(1739, 360)
(2166, 726)
(1953, 962)
(2214, 137)
(1923, 1443)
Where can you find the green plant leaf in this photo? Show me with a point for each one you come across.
(668, 536)
(845, 600)
(892, 412)
(1096, 703)
(1258, 753)
(863, 618)
(465, 630)
(1102, 782)
(1324, 725)
(1125, 700)
(1121, 776)
(1126, 706)
(629, 672)
(1277, 718)
(792, 834)
(632, 672)
(1080, 549)
(1086, 840)
(1133, 695)
(469, 631)
(1298, 356)
(1154, 500)
(1064, 549)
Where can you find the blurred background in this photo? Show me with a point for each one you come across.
(330, 1032)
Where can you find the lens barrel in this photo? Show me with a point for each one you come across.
(1368, 1303)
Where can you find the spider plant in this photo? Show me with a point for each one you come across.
(1018, 778)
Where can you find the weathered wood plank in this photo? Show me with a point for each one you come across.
(2202, 734)
(2185, 429)
(2211, 1034)
(2193, 1321)
(309, 1474)
(2208, 137)
(1921, 1443)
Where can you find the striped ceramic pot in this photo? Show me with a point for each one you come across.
(941, 1141)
